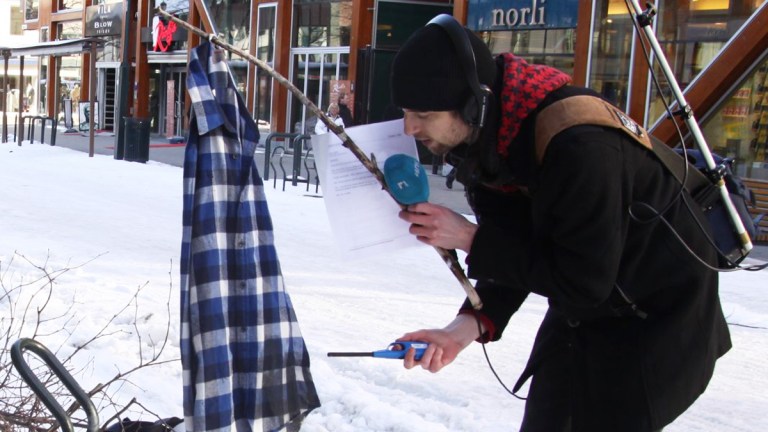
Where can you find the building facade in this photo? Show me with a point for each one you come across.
(716, 50)
(16, 96)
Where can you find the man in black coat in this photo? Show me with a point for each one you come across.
(634, 324)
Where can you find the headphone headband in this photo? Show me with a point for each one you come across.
(466, 56)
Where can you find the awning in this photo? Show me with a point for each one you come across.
(53, 48)
(56, 49)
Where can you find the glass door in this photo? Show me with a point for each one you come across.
(321, 74)
(172, 88)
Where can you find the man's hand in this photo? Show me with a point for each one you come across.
(444, 344)
(439, 226)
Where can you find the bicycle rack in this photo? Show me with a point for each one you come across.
(268, 148)
(26, 344)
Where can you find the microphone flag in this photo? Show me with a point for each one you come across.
(406, 179)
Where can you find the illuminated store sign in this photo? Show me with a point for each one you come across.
(162, 35)
(490, 15)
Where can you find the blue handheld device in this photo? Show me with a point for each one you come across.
(395, 350)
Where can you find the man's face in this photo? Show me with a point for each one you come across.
(439, 131)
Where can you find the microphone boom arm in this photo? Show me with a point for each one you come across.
(644, 19)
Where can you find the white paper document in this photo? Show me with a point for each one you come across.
(362, 215)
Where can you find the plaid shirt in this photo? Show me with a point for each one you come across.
(245, 365)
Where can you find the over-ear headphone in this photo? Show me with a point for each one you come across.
(476, 108)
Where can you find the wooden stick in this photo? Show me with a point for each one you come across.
(347, 142)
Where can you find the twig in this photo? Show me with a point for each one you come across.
(119, 413)
(347, 142)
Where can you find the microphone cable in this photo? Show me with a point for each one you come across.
(476, 315)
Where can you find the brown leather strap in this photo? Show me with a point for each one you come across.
(592, 110)
(584, 109)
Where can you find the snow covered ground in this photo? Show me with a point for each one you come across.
(115, 227)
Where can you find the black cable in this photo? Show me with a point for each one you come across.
(658, 216)
(476, 314)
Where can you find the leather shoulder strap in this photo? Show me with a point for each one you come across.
(583, 109)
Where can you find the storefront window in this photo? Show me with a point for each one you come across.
(70, 5)
(551, 47)
(319, 56)
(322, 76)
(691, 34)
(31, 9)
(321, 23)
(739, 127)
(611, 49)
(232, 19)
(110, 52)
(68, 70)
(168, 36)
(70, 30)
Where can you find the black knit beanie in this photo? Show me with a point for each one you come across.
(427, 74)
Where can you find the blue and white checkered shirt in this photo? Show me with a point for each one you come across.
(245, 365)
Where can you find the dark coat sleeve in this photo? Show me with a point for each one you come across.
(578, 216)
(501, 218)
(605, 216)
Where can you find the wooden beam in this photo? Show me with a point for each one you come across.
(583, 39)
(361, 33)
(638, 87)
(282, 62)
(460, 9)
(141, 71)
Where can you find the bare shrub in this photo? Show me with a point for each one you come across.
(31, 307)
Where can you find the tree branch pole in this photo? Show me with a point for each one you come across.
(347, 142)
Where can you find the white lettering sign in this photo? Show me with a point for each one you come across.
(524, 16)
(103, 19)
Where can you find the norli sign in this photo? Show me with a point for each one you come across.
(492, 15)
(104, 19)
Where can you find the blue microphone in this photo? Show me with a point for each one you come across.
(406, 179)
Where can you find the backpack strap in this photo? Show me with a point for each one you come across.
(695, 180)
(583, 109)
(586, 109)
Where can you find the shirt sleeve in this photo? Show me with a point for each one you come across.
(201, 94)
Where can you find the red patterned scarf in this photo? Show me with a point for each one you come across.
(524, 87)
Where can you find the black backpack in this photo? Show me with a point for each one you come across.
(708, 196)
